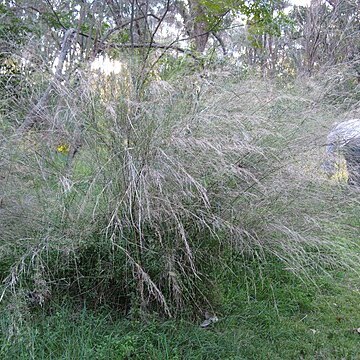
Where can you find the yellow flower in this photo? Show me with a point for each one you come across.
(341, 174)
(63, 148)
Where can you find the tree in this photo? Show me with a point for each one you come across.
(327, 33)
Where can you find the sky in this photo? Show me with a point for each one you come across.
(300, 2)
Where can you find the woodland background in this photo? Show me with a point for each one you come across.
(161, 166)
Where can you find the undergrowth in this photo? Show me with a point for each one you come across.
(132, 201)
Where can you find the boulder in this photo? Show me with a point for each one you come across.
(344, 140)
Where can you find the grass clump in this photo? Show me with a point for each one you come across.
(150, 191)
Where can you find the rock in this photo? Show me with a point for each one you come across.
(344, 139)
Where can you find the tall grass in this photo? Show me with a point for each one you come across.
(124, 199)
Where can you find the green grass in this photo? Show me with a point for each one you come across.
(264, 312)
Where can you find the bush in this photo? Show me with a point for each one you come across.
(165, 182)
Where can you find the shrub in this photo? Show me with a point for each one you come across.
(164, 182)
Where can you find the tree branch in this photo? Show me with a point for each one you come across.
(221, 42)
(153, 45)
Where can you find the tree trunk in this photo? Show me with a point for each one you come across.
(195, 23)
(36, 114)
(200, 29)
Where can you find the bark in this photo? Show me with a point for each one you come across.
(194, 23)
(200, 33)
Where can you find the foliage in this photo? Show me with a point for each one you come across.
(259, 13)
(13, 32)
(12, 28)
